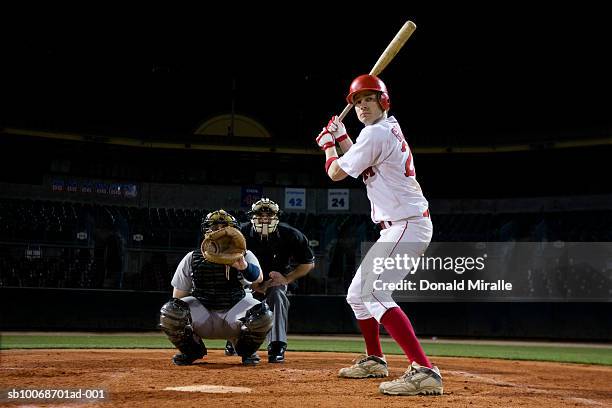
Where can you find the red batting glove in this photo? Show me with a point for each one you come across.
(337, 129)
(326, 139)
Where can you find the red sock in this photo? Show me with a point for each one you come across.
(369, 329)
(398, 326)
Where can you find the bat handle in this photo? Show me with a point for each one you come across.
(345, 112)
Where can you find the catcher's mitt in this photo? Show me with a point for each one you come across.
(224, 246)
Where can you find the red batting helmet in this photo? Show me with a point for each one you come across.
(372, 83)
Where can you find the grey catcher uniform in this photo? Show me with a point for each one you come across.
(209, 301)
(209, 321)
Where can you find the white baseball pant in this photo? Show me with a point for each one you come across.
(415, 230)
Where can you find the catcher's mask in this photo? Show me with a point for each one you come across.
(264, 216)
(218, 219)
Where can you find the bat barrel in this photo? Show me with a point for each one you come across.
(393, 48)
(388, 54)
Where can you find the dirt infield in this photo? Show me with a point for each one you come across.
(139, 378)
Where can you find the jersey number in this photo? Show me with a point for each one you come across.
(408, 166)
(409, 169)
(369, 172)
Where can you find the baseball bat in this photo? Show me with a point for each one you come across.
(387, 56)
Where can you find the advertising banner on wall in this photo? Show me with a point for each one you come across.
(249, 195)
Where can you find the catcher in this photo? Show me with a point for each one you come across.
(209, 300)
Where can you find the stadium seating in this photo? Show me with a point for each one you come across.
(67, 244)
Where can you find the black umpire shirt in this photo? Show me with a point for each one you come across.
(284, 247)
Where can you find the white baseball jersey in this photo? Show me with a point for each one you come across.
(382, 157)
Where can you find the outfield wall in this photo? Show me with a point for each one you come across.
(80, 309)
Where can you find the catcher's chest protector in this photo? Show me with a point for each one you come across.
(213, 286)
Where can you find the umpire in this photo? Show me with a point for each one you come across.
(277, 246)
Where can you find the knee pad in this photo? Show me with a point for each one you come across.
(175, 321)
(258, 318)
(256, 324)
(175, 317)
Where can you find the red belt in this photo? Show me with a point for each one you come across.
(387, 224)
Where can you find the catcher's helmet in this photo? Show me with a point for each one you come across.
(264, 216)
(216, 218)
(372, 83)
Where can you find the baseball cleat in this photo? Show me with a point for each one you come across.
(276, 352)
(368, 366)
(229, 349)
(417, 380)
(253, 359)
(182, 359)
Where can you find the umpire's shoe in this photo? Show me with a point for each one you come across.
(253, 359)
(229, 349)
(276, 352)
(417, 380)
(368, 366)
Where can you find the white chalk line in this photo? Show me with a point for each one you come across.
(527, 388)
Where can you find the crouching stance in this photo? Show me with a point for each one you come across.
(209, 300)
(175, 321)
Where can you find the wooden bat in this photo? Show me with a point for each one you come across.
(387, 56)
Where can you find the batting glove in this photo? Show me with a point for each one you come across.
(326, 139)
(336, 128)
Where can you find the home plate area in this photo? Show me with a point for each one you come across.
(214, 389)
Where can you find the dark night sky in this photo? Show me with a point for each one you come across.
(499, 71)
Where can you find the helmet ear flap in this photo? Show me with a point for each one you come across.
(383, 100)
(372, 83)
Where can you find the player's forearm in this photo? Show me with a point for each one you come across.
(177, 293)
(332, 168)
(251, 273)
(300, 271)
(331, 152)
(251, 259)
(345, 144)
(259, 278)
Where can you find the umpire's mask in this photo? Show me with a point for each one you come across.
(264, 216)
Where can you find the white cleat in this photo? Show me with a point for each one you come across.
(367, 366)
(417, 380)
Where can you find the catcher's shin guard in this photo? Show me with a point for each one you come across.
(175, 321)
(257, 322)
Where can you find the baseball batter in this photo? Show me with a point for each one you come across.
(209, 301)
(381, 156)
